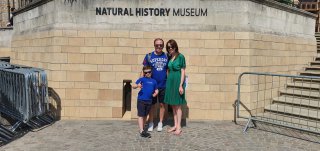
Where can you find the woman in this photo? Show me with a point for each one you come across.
(175, 93)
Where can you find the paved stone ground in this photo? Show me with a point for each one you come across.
(123, 135)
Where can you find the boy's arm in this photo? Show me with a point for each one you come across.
(134, 86)
(137, 84)
(155, 93)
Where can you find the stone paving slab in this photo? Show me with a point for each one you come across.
(123, 135)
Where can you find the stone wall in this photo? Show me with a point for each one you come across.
(87, 56)
(5, 42)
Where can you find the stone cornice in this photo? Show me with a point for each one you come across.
(274, 4)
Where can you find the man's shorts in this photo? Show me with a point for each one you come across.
(143, 108)
(160, 97)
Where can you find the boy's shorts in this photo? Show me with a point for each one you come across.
(159, 97)
(143, 108)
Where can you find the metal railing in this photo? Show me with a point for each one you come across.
(287, 2)
(23, 97)
(278, 99)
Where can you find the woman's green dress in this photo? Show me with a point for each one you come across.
(172, 95)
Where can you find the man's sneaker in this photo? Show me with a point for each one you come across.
(160, 125)
(150, 127)
(145, 134)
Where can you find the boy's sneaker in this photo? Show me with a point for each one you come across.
(145, 134)
(150, 127)
(160, 125)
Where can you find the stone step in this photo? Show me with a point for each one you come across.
(298, 101)
(313, 68)
(310, 73)
(293, 121)
(294, 111)
(306, 80)
(301, 93)
(315, 63)
(304, 85)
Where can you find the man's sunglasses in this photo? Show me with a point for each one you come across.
(158, 45)
(146, 72)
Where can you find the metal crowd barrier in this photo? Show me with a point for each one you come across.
(278, 99)
(23, 97)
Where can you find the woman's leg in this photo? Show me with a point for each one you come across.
(174, 118)
(179, 118)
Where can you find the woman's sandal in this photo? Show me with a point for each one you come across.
(177, 132)
(172, 130)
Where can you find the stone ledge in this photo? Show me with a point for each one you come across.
(284, 7)
(30, 6)
(6, 28)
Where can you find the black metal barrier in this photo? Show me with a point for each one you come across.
(23, 97)
(5, 59)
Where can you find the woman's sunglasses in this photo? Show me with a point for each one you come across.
(170, 47)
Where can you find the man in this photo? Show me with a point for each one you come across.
(158, 60)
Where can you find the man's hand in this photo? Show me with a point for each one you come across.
(155, 93)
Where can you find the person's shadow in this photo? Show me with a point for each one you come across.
(6, 122)
(54, 104)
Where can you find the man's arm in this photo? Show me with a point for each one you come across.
(155, 93)
(144, 63)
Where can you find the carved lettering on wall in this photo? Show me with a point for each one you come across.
(118, 11)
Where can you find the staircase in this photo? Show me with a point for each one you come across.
(298, 105)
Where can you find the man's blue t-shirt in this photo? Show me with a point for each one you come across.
(149, 85)
(159, 64)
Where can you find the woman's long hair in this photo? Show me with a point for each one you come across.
(174, 45)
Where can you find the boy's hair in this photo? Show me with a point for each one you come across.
(146, 68)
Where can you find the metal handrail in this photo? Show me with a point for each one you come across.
(235, 110)
(258, 117)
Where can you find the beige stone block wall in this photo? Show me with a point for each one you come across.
(5, 52)
(86, 67)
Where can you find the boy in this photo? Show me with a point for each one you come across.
(148, 90)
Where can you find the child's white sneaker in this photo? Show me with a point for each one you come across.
(150, 127)
(159, 129)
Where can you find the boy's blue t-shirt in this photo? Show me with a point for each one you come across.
(149, 85)
(159, 64)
